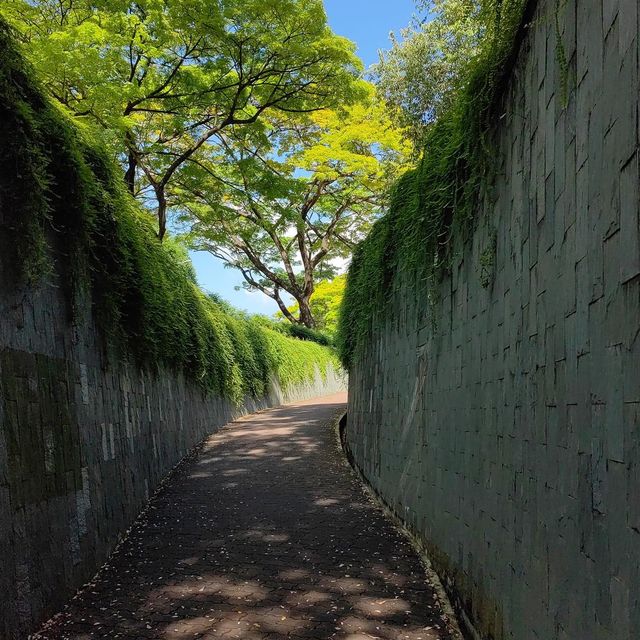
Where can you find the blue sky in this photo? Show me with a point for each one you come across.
(367, 23)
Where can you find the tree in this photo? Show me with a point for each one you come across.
(163, 80)
(325, 303)
(282, 206)
(421, 71)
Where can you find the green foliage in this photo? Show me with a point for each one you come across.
(281, 207)
(325, 303)
(162, 82)
(296, 360)
(23, 161)
(294, 330)
(432, 207)
(63, 199)
(418, 76)
(304, 333)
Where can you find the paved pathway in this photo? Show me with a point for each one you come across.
(265, 535)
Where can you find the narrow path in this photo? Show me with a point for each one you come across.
(265, 535)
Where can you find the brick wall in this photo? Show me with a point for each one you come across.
(508, 436)
(84, 440)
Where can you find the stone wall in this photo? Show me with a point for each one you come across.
(84, 440)
(504, 425)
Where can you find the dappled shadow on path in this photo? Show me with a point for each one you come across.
(266, 535)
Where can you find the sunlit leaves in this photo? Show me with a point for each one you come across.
(420, 72)
(169, 79)
(284, 201)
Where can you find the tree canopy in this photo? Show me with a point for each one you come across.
(163, 81)
(282, 206)
(419, 74)
(248, 121)
(325, 303)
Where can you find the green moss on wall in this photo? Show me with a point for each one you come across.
(64, 208)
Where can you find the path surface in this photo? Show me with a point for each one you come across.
(266, 535)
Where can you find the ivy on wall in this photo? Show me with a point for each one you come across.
(64, 210)
(432, 207)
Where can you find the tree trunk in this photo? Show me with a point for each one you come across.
(130, 173)
(306, 317)
(283, 307)
(162, 213)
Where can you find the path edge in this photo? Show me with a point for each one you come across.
(190, 457)
(450, 616)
